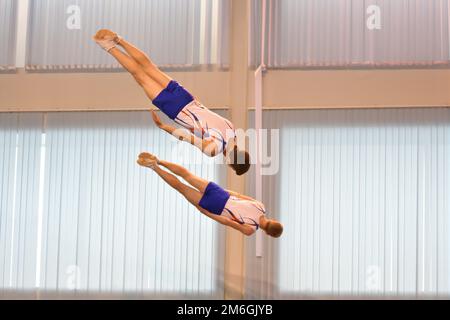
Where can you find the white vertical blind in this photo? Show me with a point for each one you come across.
(363, 195)
(175, 33)
(7, 33)
(20, 145)
(102, 223)
(329, 33)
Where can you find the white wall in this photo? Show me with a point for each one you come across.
(363, 196)
(78, 213)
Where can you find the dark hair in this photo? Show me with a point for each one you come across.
(239, 161)
(274, 229)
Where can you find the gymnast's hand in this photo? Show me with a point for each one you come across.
(161, 125)
(157, 120)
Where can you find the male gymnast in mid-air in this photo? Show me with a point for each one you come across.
(229, 208)
(206, 130)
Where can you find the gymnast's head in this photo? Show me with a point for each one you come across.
(272, 227)
(239, 160)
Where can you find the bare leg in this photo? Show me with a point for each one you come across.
(150, 68)
(199, 183)
(151, 87)
(192, 195)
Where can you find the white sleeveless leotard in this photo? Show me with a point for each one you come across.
(206, 124)
(244, 211)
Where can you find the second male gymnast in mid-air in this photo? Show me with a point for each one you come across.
(229, 208)
(206, 130)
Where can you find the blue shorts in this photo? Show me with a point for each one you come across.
(214, 199)
(173, 99)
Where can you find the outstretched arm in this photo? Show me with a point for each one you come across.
(238, 195)
(184, 135)
(247, 230)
